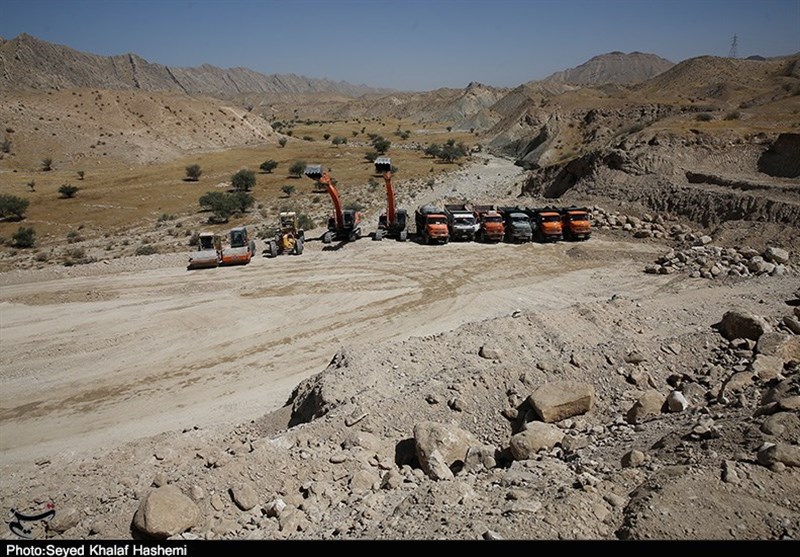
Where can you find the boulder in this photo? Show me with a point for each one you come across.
(559, 400)
(164, 512)
(743, 324)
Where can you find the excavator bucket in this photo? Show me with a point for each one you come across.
(314, 171)
(383, 164)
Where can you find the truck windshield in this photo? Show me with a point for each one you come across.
(466, 221)
(437, 220)
(578, 216)
(493, 219)
(550, 218)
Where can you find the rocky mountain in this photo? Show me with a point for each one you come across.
(613, 67)
(30, 63)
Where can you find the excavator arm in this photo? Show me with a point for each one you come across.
(384, 164)
(316, 173)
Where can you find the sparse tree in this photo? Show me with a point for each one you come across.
(13, 207)
(282, 141)
(24, 237)
(339, 140)
(81, 174)
(68, 190)
(47, 164)
(433, 150)
(326, 136)
(381, 144)
(242, 201)
(244, 180)
(371, 155)
(297, 168)
(288, 190)
(268, 166)
(451, 151)
(221, 204)
(193, 172)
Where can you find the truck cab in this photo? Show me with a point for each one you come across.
(547, 222)
(432, 225)
(461, 222)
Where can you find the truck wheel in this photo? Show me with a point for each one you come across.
(273, 249)
(403, 235)
(326, 238)
(298, 246)
(378, 236)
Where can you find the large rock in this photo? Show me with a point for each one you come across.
(535, 437)
(743, 324)
(782, 345)
(441, 447)
(165, 512)
(560, 400)
(649, 404)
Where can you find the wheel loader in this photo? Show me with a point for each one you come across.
(289, 237)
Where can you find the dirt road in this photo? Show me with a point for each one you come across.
(90, 361)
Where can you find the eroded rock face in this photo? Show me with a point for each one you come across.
(782, 159)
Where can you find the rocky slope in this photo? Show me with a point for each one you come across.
(613, 67)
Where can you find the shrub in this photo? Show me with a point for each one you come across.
(734, 115)
(5, 146)
(81, 174)
(704, 117)
(68, 190)
(146, 249)
(297, 168)
(326, 136)
(24, 237)
(308, 138)
(163, 217)
(371, 155)
(244, 180)
(47, 164)
(381, 144)
(282, 141)
(221, 205)
(242, 201)
(193, 172)
(12, 206)
(288, 190)
(433, 150)
(268, 166)
(74, 236)
(339, 140)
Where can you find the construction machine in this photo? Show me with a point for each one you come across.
(490, 224)
(289, 237)
(241, 248)
(547, 223)
(576, 223)
(208, 254)
(517, 224)
(461, 221)
(431, 225)
(393, 222)
(345, 224)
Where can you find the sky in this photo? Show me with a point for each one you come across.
(409, 45)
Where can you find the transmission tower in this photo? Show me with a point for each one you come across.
(733, 53)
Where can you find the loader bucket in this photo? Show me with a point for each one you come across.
(314, 171)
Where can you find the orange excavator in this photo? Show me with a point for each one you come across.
(393, 222)
(345, 224)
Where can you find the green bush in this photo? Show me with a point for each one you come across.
(193, 172)
(68, 190)
(12, 207)
(704, 117)
(268, 166)
(81, 174)
(47, 164)
(288, 190)
(282, 141)
(734, 115)
(244, 180)
(24, 237)
(381, 144)
(339, 140)
(146, 249)
(297, 168)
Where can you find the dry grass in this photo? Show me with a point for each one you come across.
(116, 197)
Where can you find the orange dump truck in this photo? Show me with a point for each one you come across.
(546, 223)
(576, 223)
(490, 223)
(431, 224)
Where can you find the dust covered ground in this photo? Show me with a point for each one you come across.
(281, 398)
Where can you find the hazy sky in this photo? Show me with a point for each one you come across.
(407, 44)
